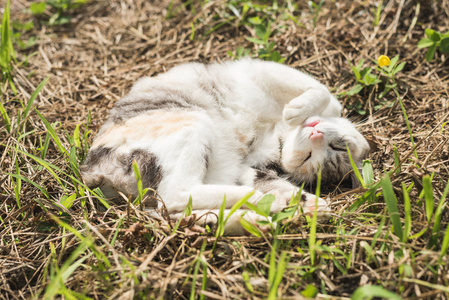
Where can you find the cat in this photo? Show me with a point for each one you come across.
(207, 131)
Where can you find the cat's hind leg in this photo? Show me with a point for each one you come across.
(210, 196)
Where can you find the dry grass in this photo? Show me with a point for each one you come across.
(108, 45)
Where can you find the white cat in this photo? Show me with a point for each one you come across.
(207, 131)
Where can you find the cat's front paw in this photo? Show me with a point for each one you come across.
(296, 115)
(310, 203)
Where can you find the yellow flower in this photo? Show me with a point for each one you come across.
(383, 61)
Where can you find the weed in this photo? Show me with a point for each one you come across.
(433, 41)
(315, 9)
(260, 17)
(61, 10)
(222, 220)
(200, 260)
(392, 205)
(377, 12)
(265, 47)
(364, 78)
(20, 28)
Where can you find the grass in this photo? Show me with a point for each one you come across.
(59, 239)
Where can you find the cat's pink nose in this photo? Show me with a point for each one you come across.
(316, 135)
(313, 123)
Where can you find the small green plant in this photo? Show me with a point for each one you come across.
(377, 12)
(20, 28)
(315, 9)
(433, 41)
(260, 17)
(61, 9)
(187, 212)
(222, 220)
(265, 46)
(240, 52)
(364, 78)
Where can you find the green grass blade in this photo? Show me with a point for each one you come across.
(437, 218)
(76, 136)
(272, 263)
(445, 244)
(370, 291)
(428, 196)
(102, 258)
(221, 222)
(57, 283)
(6, 47)
(18, 186)
(407, 212)
(250, 227)
(280, 269)
(53, 134)
(367, 172)
(407, 123)
(42, 189)
(5, 117)
(396, 155)
(312, 236)
(187, 212)
(370, 194)
(46, 165)
(204, 281)
(355, 168)
(139, 184)
(73, 160)
(264, 204)
(296, 199)
(238, 205)
(45, 146)
(31, 101)
(392, 205)
(195, 272)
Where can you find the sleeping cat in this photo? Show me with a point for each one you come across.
(224, 129)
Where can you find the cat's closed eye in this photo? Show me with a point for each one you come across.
(337, 147)
(308, 157)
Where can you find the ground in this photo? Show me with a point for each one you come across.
(58, 239)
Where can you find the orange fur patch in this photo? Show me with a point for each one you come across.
(151, 125)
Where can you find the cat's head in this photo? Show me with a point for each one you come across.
(322, 141)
